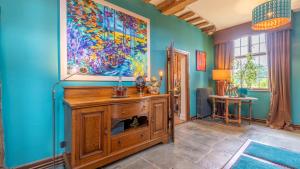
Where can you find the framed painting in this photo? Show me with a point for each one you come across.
(200, 61)
(102, 41)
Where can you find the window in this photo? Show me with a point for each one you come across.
(256, 46)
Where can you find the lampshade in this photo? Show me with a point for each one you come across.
(271, 15)
(221, 74)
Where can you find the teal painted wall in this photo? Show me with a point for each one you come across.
(295, 68)
(261, 107)
(29, 54)
(29, 66)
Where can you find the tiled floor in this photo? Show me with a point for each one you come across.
(205, 145)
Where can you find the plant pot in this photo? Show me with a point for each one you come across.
(243, 92)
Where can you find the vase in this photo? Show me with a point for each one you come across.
(243, 92)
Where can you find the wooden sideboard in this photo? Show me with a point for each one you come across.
(91, 116)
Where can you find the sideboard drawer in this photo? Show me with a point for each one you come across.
(123, 111)
(129, 139)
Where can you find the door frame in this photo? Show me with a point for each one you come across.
(187, 80)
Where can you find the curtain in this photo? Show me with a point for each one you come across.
(278, 48)
(223, 60)
(224, 55)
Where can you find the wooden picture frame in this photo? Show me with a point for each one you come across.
(200, 61)
(103, 65)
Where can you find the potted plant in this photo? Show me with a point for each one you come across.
(245, 74)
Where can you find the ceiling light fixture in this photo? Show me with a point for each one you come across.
(271, 15)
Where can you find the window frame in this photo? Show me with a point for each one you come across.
(254, 55)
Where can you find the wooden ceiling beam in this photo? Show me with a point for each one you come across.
(176, 6)
(211, 32)
(202, 24)
(208, 28)
(186, 15)
(195, 20)
(164, 4)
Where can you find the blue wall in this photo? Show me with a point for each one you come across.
(295, 69)
(29, 66)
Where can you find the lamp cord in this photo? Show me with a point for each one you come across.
(54, 117)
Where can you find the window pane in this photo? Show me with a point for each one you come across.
(263, 60)
(243, 60)
(237, 43)
(257, 46)
(255, 39)
(256, 60)
(244, 50)
(263, 48)
(255, 49)
(244, 41)
(263, 83)
(256, 84)
(237, 51)
(263, 72)
(262, 38)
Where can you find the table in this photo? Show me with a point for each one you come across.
(236, 101)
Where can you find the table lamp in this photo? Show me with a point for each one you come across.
(222, 76)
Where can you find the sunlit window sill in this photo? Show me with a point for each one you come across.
(259, 90)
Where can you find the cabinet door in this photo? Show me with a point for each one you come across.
(91, 134)
(158, 117)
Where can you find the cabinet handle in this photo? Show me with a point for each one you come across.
(105, 132)
(119, 142)
(142, 135)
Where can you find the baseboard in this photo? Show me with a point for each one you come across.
(260, 120)
(43, 164)
(297, 127)
(193, 118)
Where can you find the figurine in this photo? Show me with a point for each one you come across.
(231, 90)
(154, 86)
(135, 122)
(140, 84)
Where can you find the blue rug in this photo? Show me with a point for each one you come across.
(245, 162)
(273, 154)
(254, 155)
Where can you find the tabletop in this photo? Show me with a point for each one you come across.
(233, 98)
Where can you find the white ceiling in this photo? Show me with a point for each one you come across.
(226, 13)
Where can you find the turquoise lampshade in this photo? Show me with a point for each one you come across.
(271, 15)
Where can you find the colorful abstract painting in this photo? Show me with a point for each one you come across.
(200, 61)
(104, 40)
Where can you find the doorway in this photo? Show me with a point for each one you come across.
(179, 76)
